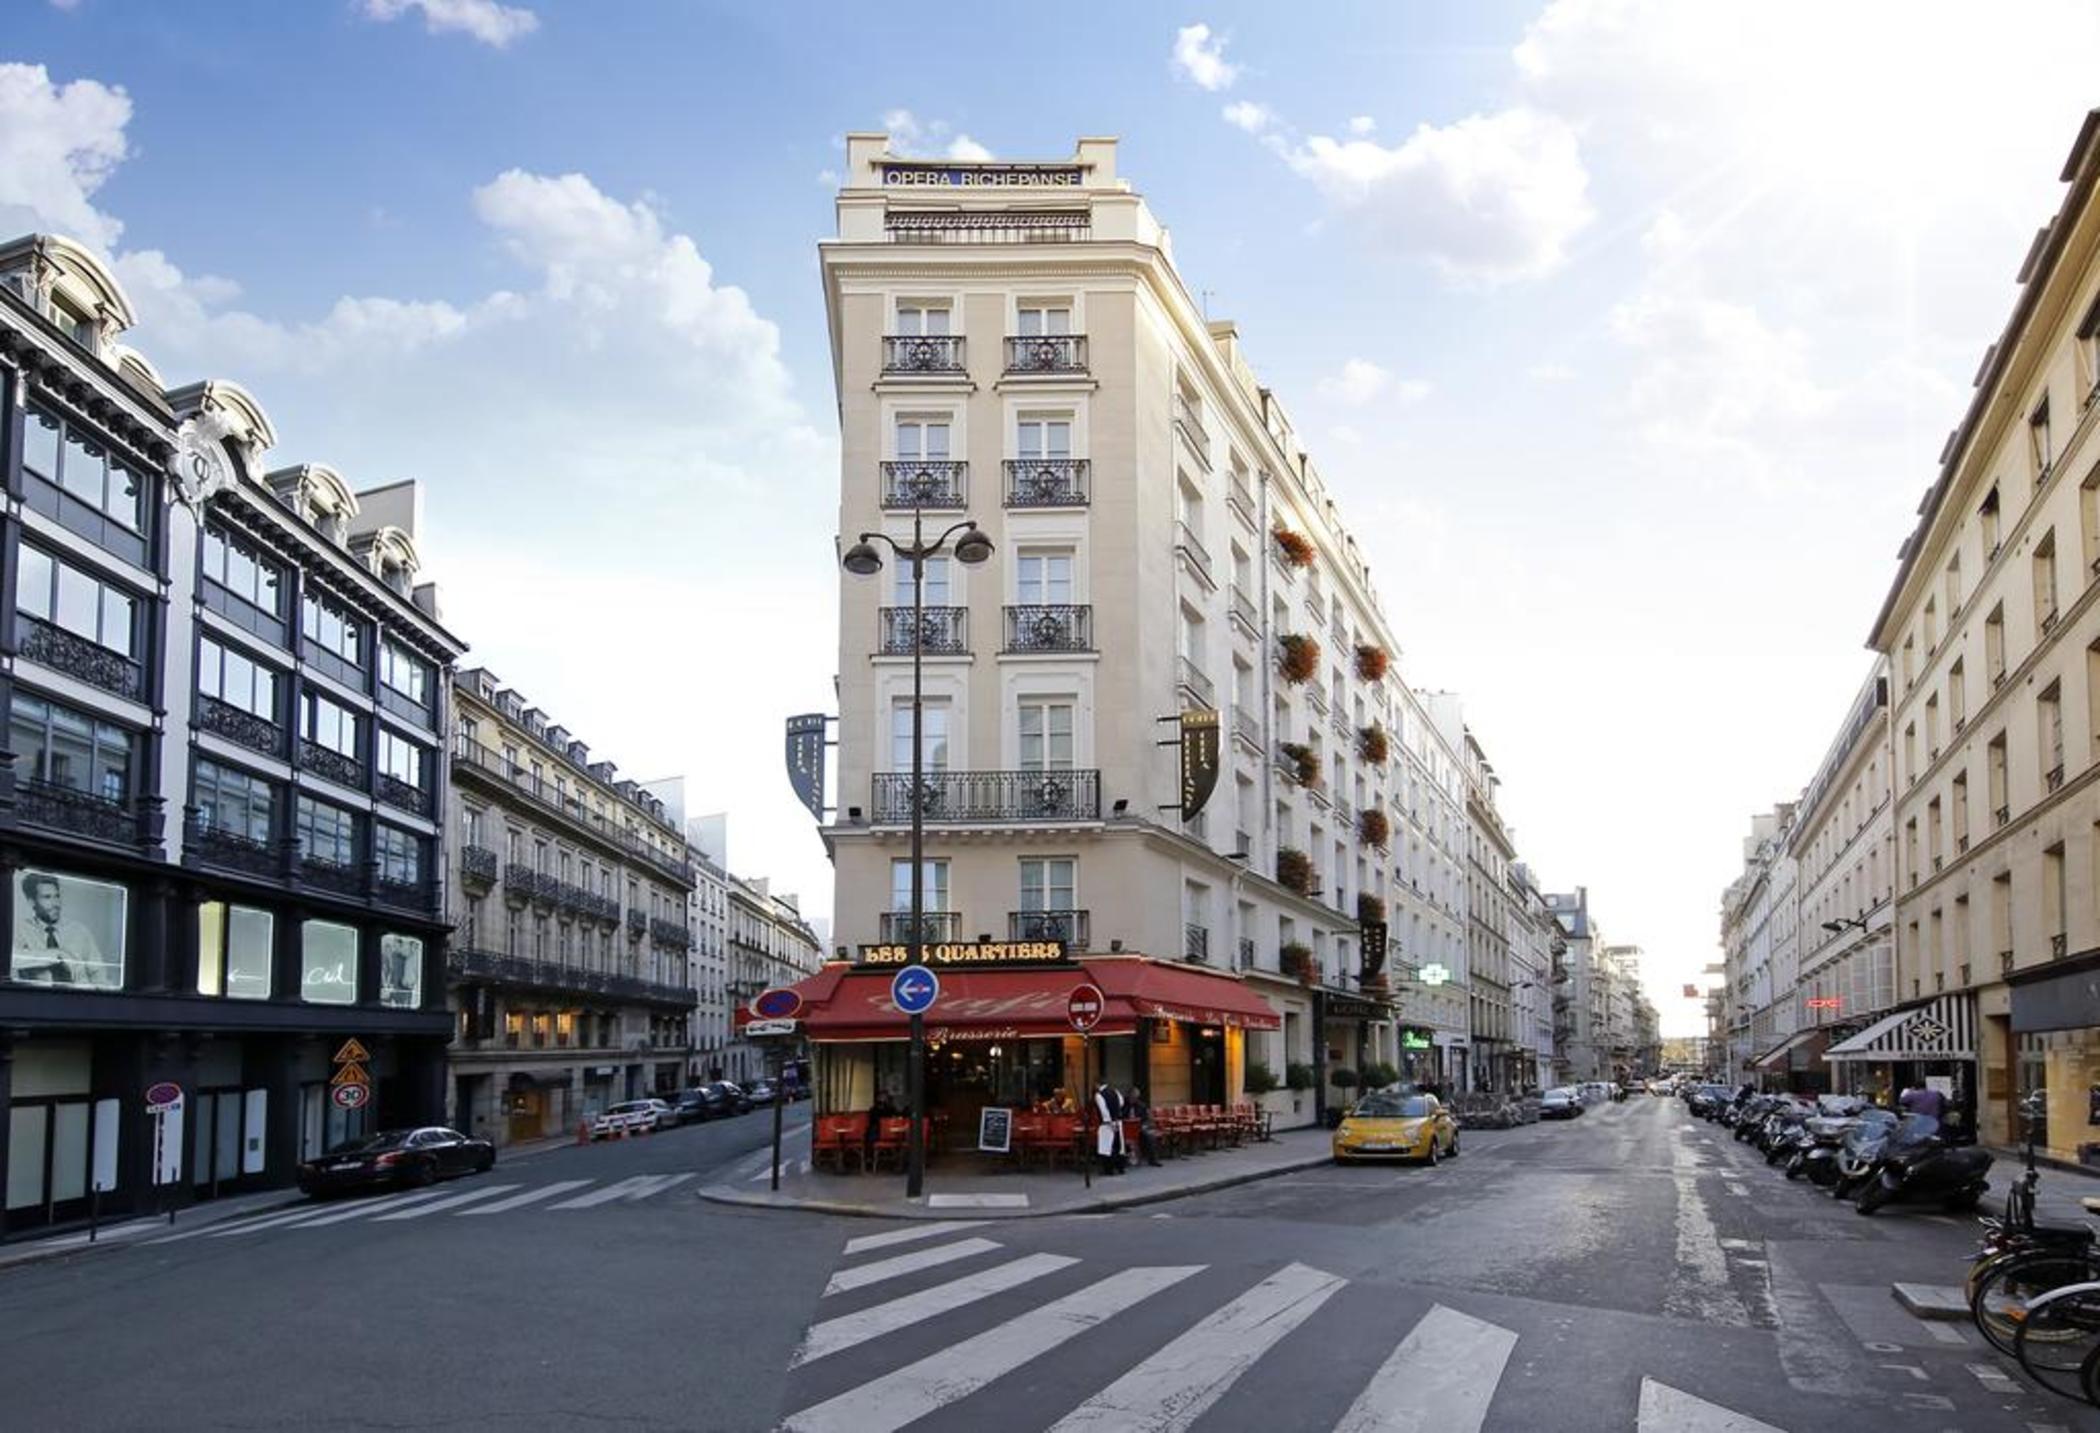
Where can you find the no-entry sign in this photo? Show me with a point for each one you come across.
(1083, 1007)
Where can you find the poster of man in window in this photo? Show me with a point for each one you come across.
(400, 971)
(69, 931)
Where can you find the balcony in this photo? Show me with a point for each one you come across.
(2055, 778)
(325, 761)
(1074, 928)
(487, 767)
(942, 631)
(407, 895)
(240, 727)
(1047, 482)
(1240, 499)
(2058, 944)
(396, 792)
(233, 850)
(77, 813)
(2001, 815)
(76, 656)
(1193, 552)
(488, 967)
(519, 882)
(1245, 612)
(670, 933)
(935, 927)
(986, 226)
(1246, 726)
(637, 924)
(1189, 423)
(978, 797)
(1050, 627)
(477, 868)
(1246, 953)
(1046, 353)
(1197, 683)
(909, 483)
(922, 353)
(341, 878)
(1195, 943)
(2049, 621)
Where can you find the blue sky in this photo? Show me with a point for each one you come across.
(1626, 331)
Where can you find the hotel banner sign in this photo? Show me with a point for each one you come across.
(805, 760)
(985, 176)
(1199, 760)
(970, 955)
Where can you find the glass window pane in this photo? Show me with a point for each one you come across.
(328, 964)
(123, 501)
(40, 444)
(117, 620)
(400, 971)
(33, 583)
(266, 589)
(82, 469)
(211, 948)
(250, 940)
(77, 594)
(25, 1155)
(240, 571)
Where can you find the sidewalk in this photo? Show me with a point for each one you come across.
(956, 1183)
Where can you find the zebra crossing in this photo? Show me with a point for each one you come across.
(451, 1200)
(1441, 1376)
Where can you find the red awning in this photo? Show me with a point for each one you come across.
(842, 1003)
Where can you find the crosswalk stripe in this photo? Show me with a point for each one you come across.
(530, 1196)
(862, 1275)
(367, 1208)
(1669, 1410)
(1439, 1380)
(885, 1404)
(910, 1235)
(848, 1330)
(230, 1227)
(472, 1196)
(608, 1194)
(1171, 1389)
(663, 1185)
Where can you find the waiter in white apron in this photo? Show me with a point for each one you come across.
(1108, 1135)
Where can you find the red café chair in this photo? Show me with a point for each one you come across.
(1062, 1140)
(1031, 1136)
(1173, 1129)
(892, 1141)
(837, 1137)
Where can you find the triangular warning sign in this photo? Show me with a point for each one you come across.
(352, 1074)
(352, 1053)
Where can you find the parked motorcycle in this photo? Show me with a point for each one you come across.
(1816, 1143)
(1918, 1166)
(1858, 1157)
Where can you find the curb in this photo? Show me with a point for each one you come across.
(1943, 1302)
(724, 1194)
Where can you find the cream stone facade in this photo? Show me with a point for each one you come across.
(1013, 345)
(1992, 632)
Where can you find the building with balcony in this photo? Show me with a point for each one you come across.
(1581, 991)
(1535, 948)
(220, 797)
(769, 943)
(571, 976)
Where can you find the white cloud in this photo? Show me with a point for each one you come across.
(1491, 198)
(65, 4)
(1250, 116)
(58, 144)
(1363, 124)
(1200, 56)
(964, 148)
(1361, 380)
(910, 135)
(485, 20)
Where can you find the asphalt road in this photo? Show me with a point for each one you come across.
(1634, 1269)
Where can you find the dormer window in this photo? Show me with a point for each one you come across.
(73, 323)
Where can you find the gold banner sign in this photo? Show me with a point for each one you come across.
(964, 955)
(1199, 760)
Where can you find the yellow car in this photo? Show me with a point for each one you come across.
(1396, 1124)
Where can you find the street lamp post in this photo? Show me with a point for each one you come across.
(862, 560)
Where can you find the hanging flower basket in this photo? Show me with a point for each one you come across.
(1370, 909)
(1373, 827)
(1294, 869)
(1296, 547)
(1304, 763)
(1371, 661)
(1297, 961)
(1298, 658)
(1373, 745)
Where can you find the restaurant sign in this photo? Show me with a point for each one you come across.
(970, 955)
(1353, 1007)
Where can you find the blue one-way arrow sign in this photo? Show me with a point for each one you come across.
(914, 989)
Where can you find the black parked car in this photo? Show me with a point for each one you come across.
(1564, 1103)
(702, 1102)
(733, 1095)
(396, 1159)
(760, 1091)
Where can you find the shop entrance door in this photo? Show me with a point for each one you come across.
(49, 1147)
(216, 1131)
(1207, 1066)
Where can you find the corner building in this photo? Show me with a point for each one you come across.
(1013, 345)
(221, 792)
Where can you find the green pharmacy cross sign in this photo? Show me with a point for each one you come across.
(1434, 975)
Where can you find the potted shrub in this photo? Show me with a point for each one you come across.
(1370, 909)
(1294, 870)
(1304, 763)
(1379, 1074)
(1373, 745)
(1296, 547)
(1373, 828)
(1260, 1078)
(1371, 661)
(1298, 657)
(1297, 961)
(1298, 1075)
(1344, 1079)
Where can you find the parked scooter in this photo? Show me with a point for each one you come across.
(1918, 1166)
(1816, 1142)
(1858, 1156)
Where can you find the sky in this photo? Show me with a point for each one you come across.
(1625, 332)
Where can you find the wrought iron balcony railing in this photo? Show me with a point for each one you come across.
(325, 761)
(326, 875)
(1050, 627)
(1246, 725)
(1189, 423)
(637, 923)
(76, 656)
(520, 881)
(935, 927)
(1047, 482)
(989, 796)
(1191, 547)
(477, 866)
(75, 812)
(2058, 944)
(1240, 499)
(467, 965)
(1047, 353)
(925, 482)
(244, 727)
(942, 631)
(670, 933)
(408, 895)
(236, 850)
(396, 792)
(1198, 683)
(1246, 952)
(1195, 943)
(1245, 612)
(922, 353)
(1074, 928)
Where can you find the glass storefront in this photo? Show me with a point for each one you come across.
(2065, 1065)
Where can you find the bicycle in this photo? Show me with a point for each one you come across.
(2058, 1342)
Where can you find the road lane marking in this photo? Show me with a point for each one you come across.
(861, 1275)
(1945, 1333)
(1700, 1289)
(655, 1184)
(977, 1201)
(886, 1404)
(624, 1189)
(1171, 1389)
(1669, 1410)
(857, 1328)
(530, 1196)
(472, 1196)
(370, 1207)
(909, 1235)
(1997, 1380)
(1439, 1380)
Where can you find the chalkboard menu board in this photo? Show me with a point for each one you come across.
(995, 1130)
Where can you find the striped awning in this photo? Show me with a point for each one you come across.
(1784, 1048)
(1942, 1028)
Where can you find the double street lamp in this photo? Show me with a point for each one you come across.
(864, 559)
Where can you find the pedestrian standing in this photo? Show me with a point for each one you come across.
(1108, 1133)
(1148, 1134)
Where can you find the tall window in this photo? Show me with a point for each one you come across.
(917, 319)
(326, 832)
(922, 438)
(1036, 320)
(229, 675)
(1048, 883)
(1987, 521)
(2039, 447)
(235, 568)
(1043, 437)
(2045, 580)
(1043, 578)
(933, 736)
(406, 674)
(330, 724)
(402, 759)
(399, 854)
(936, 885)
(1995, 755)
(55, 591)
(1957, 695)
(937, 589)
(234, 949)
(328, 963)
(1994, 644)
(233, 802)
(81, 484)
(1046, 735)
(2049, 713)
(63, 747)
(331, 627)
